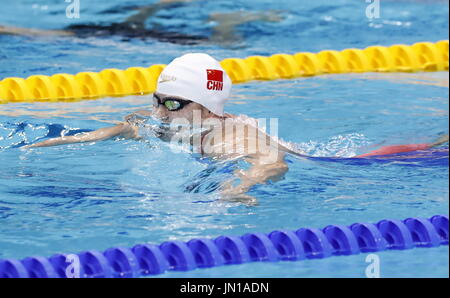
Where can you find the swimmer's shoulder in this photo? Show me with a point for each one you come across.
(240, 118)
(229, 116)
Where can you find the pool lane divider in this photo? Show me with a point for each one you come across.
(421, 56)
(279, 245)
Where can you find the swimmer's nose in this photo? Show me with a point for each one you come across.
(160, 114)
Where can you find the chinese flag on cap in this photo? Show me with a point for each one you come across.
(215, 75)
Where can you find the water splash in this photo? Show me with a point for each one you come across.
(18, 134)
(346, 145)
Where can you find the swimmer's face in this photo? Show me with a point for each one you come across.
(167, 108)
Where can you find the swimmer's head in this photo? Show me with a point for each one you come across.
(198, 81)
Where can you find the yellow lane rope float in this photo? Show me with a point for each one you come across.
(421, 56)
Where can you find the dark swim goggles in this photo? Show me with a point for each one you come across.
(171, 103)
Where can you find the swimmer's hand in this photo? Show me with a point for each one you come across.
(237, 194)
(240, 198)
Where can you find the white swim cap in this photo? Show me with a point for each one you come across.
(199, 78)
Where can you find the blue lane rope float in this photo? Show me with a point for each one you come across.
(280, 245)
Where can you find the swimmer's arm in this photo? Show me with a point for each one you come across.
(31, 32)
(145, 12)
(260, 172)
(120, 130)
(225, 29)
(440, 141)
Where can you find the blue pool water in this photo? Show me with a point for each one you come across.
(120, 193)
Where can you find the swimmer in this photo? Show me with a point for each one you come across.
(224, 30)
(192, 91)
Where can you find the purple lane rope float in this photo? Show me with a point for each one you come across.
(279, 245)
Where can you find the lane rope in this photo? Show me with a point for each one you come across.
(421, 56)
(279, 245)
